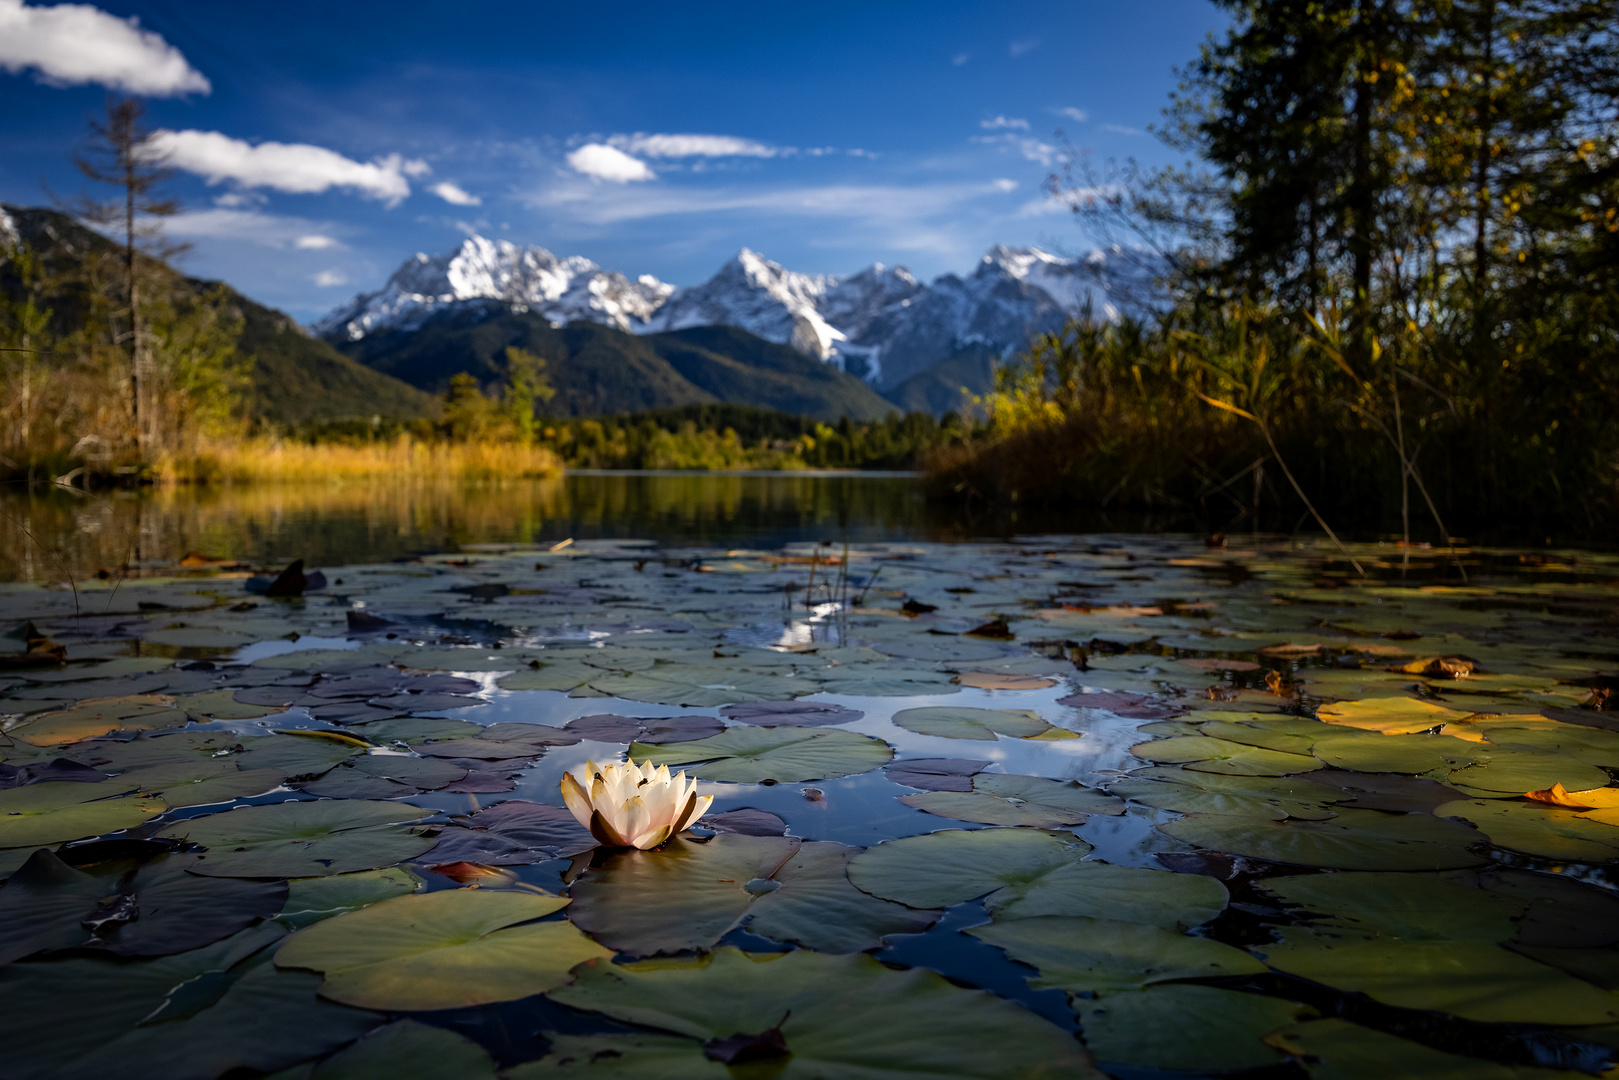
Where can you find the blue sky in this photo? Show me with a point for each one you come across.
(321, 144)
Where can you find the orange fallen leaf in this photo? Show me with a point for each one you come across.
(1603, 798)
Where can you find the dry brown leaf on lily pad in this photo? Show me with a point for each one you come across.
(1603, 798)
(994, 680)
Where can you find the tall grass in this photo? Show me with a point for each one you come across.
(403, 459)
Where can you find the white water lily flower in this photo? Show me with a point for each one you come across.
(632, 805)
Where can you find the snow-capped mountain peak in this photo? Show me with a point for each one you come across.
(881, 322)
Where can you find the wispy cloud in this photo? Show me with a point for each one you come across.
(961, 58)
(328, 279)
(1031, 149)
(998, 122)
(251, 226)
(1120, 129)
(682, 146)
(1022, 45)
(296, 168)
(455, 194)
(602, 162)
(315, 242)
(1076, 115)
(73, 44)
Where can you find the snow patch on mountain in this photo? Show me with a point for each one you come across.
(881, 323)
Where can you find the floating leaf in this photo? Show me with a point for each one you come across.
(1333, 1049)
(51, 813)
(310, 900)
(1503, 769)
(303, 839)
(747, 821)
(984, 725)
(622, 1057)
(405, 1049)
(1410, 907)
(748, 755)
(956, 865)
(1536, 829)
(1102, 890)
(1412, 754)
(998, 799)
(996, 680)
(1390, 715)
(1092, 955)
(384, 776)
(1204, 754)
(840, 1016)
(201, 782)
(793, 713)
(1467, 979)
(1192, 797)
(86, 720)
(688, 895)
(198, 1015)
(606, 727)
(1214, 1030)
(1603, 798)
(443, 950)
(1352, 840)
(935, 774)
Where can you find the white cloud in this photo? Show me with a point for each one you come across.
(681, 146)
(248, 226)
(455, 194)
(328, 279)
(298, 168)
(315, 242)
(1077, 115)
(1004, 185)
(961, 58)
(1030, 149)
(1120, 129)
(72, 44)
(601, 162)
(1004, 122)
(1018, 48)
(240, 199)
(416, 167)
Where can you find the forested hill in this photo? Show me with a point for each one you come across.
(598, 370)
(295, 378)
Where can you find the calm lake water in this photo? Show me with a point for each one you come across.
(46, 532)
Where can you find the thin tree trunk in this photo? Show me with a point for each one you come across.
(1481, 176)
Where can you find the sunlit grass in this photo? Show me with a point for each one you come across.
(402, 459)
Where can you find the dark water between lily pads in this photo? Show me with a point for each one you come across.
(1029, 806)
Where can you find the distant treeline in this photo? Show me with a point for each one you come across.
(707, 436)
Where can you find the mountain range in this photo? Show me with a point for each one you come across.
(917, 344)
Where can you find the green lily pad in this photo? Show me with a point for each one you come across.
(220, 705)
(998, 799)
(1535, 829)
(562, 675)
(201, 782)
(1410, 907)
(956, 865)
(52, 813)
(1333, 1049)
(688, 895)
(1203, 754)
(195, 1016)
(407, 1050)
(153, 910)
(1469, 979)
(310, 900)
(384, 776)
(136, 712)
(303, 839)
(1081, 955)
(840, 1016)
(1214, 1030)
(442, 950)
(1352, 840)
(699, 687)
(1102, 890)
(984, 725)
(1193, 798)
(748, 755)
(1518, 771)
(1410, 754)
(416, 729)
(622, 1057)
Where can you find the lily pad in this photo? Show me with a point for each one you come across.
(87, 720)
(1536, 829)
(1093, 955)
(791, 713)
(997, 799)
(606, 727)
(956, 865)
(748, 755)
(1333, 1049)
(1518, 771)
(935, 774)
(1102, 890)
(197, 1015)
(1352, 840)
(1214, 1030)
(384, 776)
(406, 1050)
(983, 725)
(443, 950)
(843, 1016)
(1192, 797)
(201, 782)
(687, 895)
(303, 839)
(1410, 754)
(1390, 715)
(310, 900)
(1410, 907)
(1468, 979)
(51, 813)
(622, 1057)
(1203, 754)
